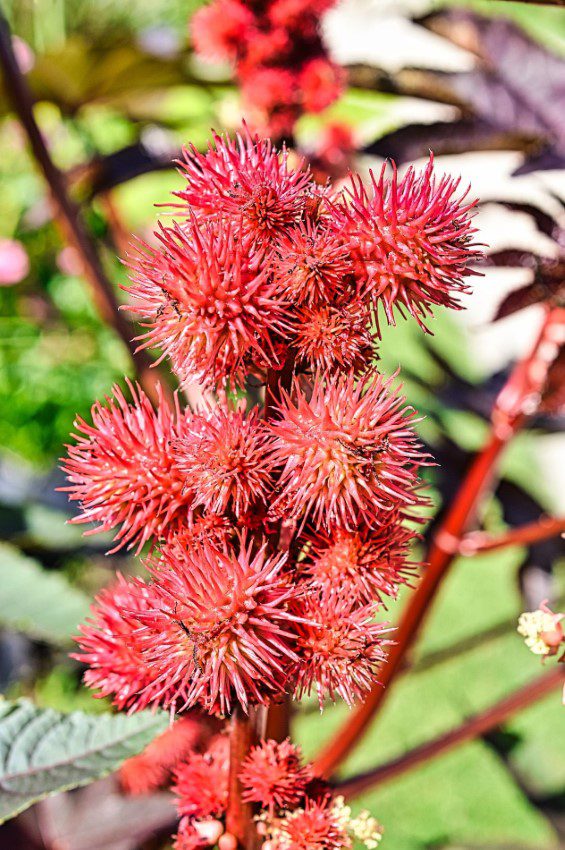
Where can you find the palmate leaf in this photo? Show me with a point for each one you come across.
(38, 603)
(43, 752)
(501, 109)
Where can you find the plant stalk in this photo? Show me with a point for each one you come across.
(239, 815)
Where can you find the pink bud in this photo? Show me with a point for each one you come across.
(14, 262)
(227, 841)
(554, 637)
(209, 830)
(25, 57)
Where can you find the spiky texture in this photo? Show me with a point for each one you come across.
(152, 769)
(110, 646)
(334, 336)
(314, 827)
(340, 647)
(246, 179)
(412, 240)
(226, 461)
(274, 776)
(312, 263)
(208, 301)
(201, 781)
(221, 629)
(122, 472)
(347, 454)
(365, 564)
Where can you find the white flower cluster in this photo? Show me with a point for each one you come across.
(532, 625)
(364, 827)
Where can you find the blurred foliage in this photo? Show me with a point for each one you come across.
(48, 23)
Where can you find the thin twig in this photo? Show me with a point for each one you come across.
(524, 535)
(470, 729)
(68, 214)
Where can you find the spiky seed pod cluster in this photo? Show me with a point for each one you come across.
(273, 776)
(273, 537)
(311, 817)
(265, 273)
(262, 261)
(278, 55)
(296, 811)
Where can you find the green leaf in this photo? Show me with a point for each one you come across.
(44, 752)
(38, 603)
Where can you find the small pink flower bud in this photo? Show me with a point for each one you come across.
(553, 638)
(227, 841)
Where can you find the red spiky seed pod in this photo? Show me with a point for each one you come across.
(348, 453)
(320, 83)
(122, 472)
(217, 529)
(110, 646)
(334, 336)
(246, 179)
(219, 29)
(311, 264)
(207, 297)
(314, 827)
(274, 776)
(412, 239)
(367, 564)
(269, 88)
(340, 645)
(201, 781)
(221, 630)
(226, 461)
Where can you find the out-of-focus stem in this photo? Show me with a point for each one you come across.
(68, 214)
(278, 720)
(519, 397)
(524, 535)
(467, 731)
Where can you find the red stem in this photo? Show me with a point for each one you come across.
(524, 535)
(520, 395)
(467, 731)
(68, 214)
(278, 717)
(239, 815)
